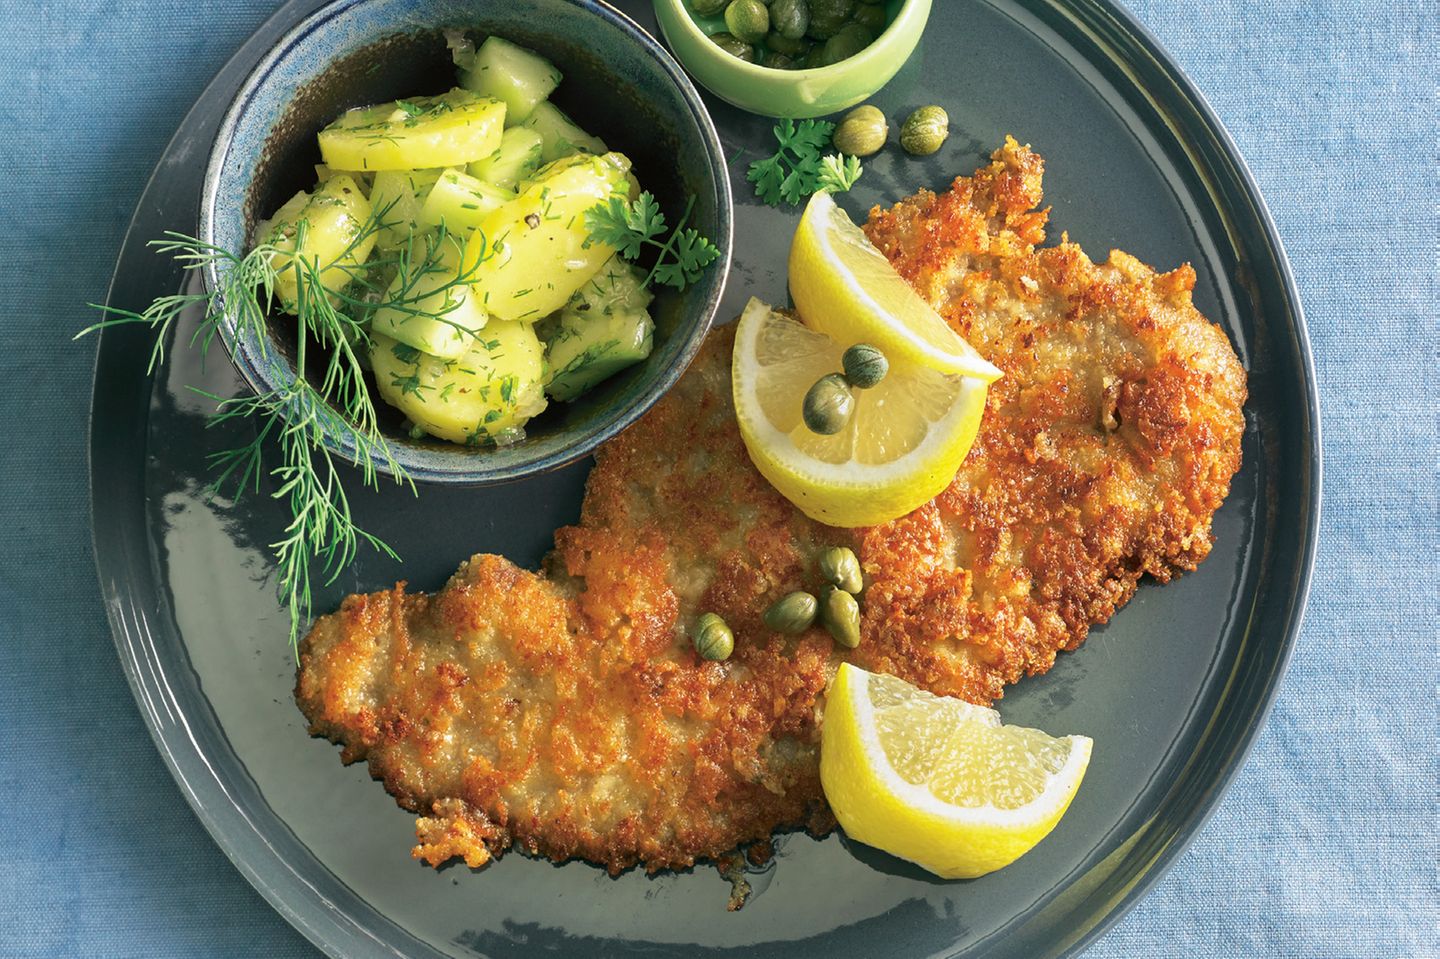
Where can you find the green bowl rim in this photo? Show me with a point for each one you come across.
(888, 39)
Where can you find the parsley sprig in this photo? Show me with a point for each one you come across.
(800, 167)
(632, 225)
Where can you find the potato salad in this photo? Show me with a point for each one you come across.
(462, 218)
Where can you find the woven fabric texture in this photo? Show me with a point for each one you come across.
(1324, 847)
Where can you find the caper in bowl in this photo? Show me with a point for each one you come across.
(819, 32)
(792, 58)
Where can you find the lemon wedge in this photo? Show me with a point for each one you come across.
(902, 445)
(938, 781)
(846, 288)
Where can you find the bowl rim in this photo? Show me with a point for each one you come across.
(911, 17)
(464, 467)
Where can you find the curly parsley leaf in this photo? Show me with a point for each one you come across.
(809, 135)
(769, 179)
(631, 225)
(838, 173)
(625, 226)
(798, 168)
(693, 253)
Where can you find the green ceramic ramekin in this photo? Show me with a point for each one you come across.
(791, 93)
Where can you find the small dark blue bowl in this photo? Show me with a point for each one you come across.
(619, 84)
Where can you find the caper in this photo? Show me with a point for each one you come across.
(713, 639)
(828, 405)
(790, 18)
(830, 55)
(792, 613)
(849, 41)
(778, 61)
(925, 131)
(871, 18)
(814, 57)
(865, 366)
(708, 8)
(782, 44)
(839, 567)
(860, 133)
(828, 16)
(841, 615)
(748, 19)
(734, 46)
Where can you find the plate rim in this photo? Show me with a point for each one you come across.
(1211, 124)
(336, 932)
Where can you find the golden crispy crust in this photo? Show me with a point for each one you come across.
(567, 713)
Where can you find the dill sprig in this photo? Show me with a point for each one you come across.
(403, 284)
(322, 536)
(327, 399)
(631, 225)
(308, 479)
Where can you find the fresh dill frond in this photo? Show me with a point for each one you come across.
(409, 286)
(322, 529)
(251, 272)
(631, 225)
(334, 404)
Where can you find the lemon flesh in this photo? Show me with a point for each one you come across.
(844, 287)
(903, 444)
(938, 781)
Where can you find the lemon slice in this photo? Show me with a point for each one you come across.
(938, 781)
(846, 288)
(902, 446)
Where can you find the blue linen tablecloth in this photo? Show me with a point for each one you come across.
(1325, 846)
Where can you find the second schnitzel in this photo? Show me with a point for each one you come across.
(566, 711)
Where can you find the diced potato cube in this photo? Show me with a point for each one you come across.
(427, 307)
(415, 134)
(323, 234)
(509, 72)
(460, 202)
(532, 251)
(559, 134)
(484, 396)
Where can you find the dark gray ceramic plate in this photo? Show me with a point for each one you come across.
(1173, 690)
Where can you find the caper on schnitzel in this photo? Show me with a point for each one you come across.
(567, 712)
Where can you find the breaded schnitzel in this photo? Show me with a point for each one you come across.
(566, 711)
